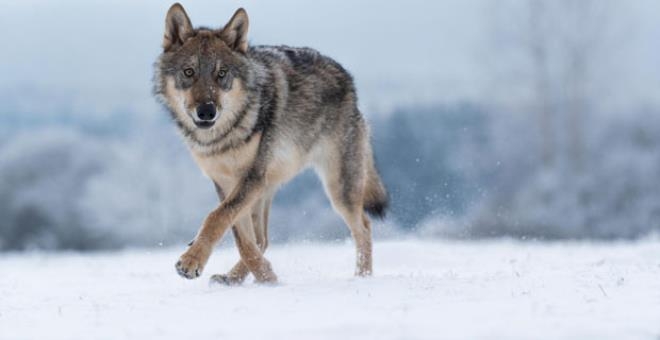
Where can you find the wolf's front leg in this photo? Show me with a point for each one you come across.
(192, 262)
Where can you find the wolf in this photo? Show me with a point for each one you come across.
(253, 117)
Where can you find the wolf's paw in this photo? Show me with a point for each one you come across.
(189, 266)
(266, 278)
(363, 273)
(265, 274)
(225, 279)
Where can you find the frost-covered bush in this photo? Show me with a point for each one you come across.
(150, 194)
(62, 189)
(42, 175)
(613, 193)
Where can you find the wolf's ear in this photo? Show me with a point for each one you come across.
(177, 27)
(235, 31)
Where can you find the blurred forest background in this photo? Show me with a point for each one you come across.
(534, 119)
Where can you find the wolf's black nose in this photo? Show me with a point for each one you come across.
(206, 112)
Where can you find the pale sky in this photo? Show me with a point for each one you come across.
(98, 54)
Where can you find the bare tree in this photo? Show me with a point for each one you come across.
(581, 43)
(558, 42)
(537, 45)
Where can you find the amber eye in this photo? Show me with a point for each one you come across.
(222, 73)
(189, 72)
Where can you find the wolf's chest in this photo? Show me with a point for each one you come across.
(280, 163)
(229, 166)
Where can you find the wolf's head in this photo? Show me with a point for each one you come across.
(202, 73)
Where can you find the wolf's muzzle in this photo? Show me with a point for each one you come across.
(206, 115)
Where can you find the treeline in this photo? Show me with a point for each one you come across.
(452, 170)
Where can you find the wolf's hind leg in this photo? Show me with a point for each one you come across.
(251, 254)
(344, 185)
(260, 221)
(239, 271)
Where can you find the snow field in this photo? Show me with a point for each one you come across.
(420, 290)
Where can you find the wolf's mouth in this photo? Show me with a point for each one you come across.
(204, 124)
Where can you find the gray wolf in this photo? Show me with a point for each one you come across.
(253, 117)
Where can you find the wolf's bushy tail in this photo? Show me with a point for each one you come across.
(376, 200)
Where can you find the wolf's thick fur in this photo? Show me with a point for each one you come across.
(278, 110)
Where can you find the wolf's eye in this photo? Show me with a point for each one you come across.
(189, 72)
(222, 73)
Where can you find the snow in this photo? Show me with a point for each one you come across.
(420, 290)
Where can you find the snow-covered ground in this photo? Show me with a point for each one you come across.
(420, 290)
